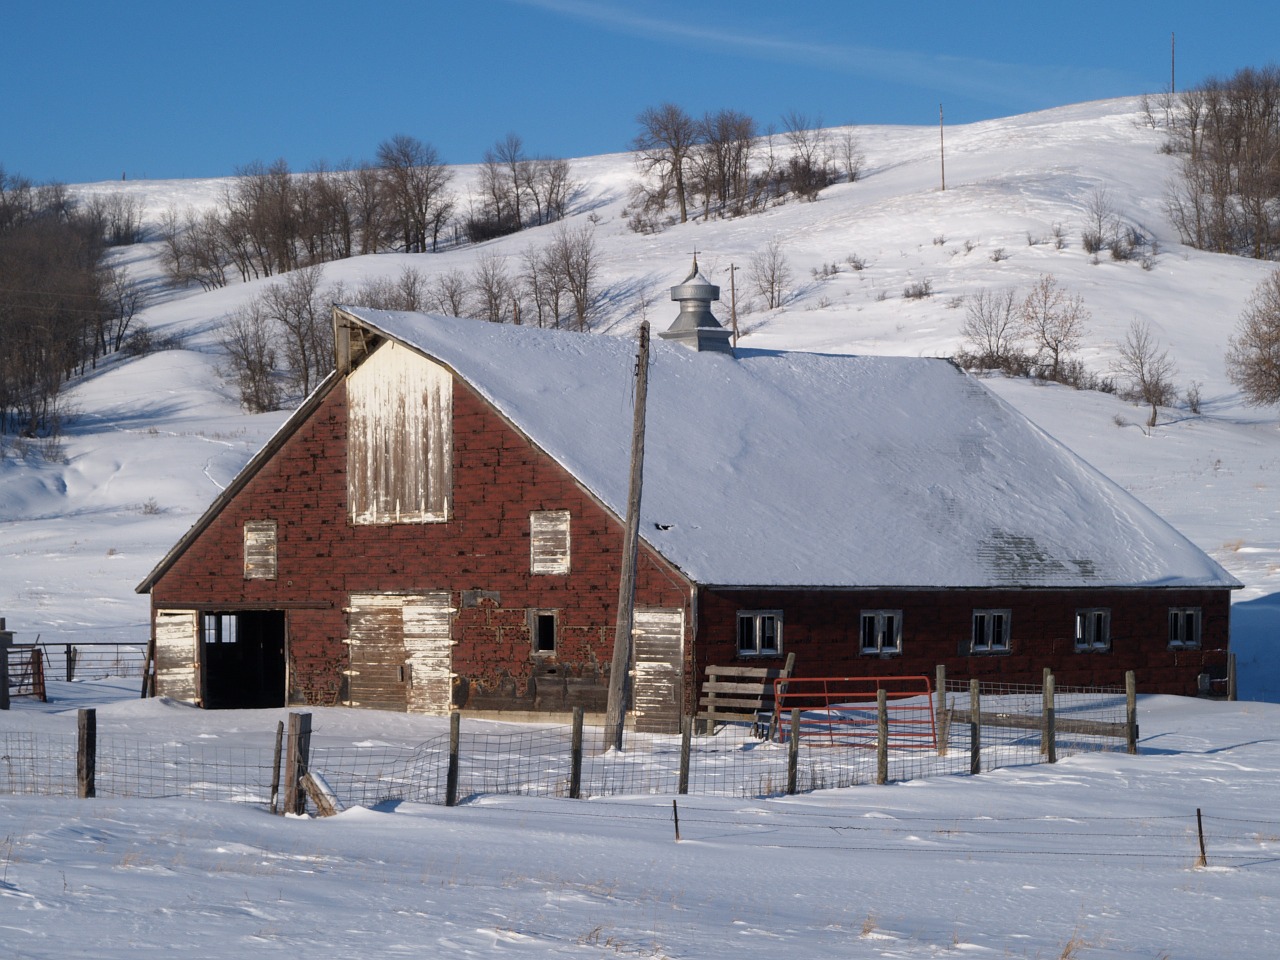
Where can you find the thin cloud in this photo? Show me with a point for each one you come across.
(989, 80)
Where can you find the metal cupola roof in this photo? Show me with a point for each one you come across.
(695, 327)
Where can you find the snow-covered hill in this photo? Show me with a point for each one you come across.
(154, 439)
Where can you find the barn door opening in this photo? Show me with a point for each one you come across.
(243, 655)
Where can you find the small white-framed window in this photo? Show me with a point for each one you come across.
(881, 633)
(990, 631)
(218, 627)
(259, 549)
(1093, 630)
(544, 631)
(1184, 628)
(759, 633)
(549, 541)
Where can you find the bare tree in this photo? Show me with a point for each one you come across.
(448, 294)
(809, 163)
(298, 318)
(769, 273)
(1147, 367)
(125, 298)
(1227, 196)
(1101, 221)
(573, 256)
(417, 183)
(251, 356)
(663, 146)
(492, 290)
(852, 159)
(1253, 352)
(993, 327)
(1054, 321)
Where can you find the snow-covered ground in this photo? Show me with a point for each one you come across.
(1095, 857)
(1092, 858)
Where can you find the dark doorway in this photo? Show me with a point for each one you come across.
(243, 659)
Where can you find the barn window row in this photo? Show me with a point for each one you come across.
(881, 631)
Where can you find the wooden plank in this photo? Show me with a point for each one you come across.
(177, 655)
(659, 668)
(728, 686)
(740, 703)
(1017, 721)
(771, 672)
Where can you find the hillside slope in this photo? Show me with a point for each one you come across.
(154, 439)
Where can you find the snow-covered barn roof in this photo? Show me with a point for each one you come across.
(782, 469)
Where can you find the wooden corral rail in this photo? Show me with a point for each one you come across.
(741, 694)
(1024, 721)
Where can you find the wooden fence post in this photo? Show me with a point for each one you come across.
(686, 745)
(1231, 677)
(6, 638)
(1131, 709)
(451, 780)
(575, 756)
(940, 710)
(975, 728)
(86, 753)
(297, 760)
(882, 736)
(793, 753)
(275, 768)
(1049, 743)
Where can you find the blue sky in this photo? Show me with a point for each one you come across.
(94, 91)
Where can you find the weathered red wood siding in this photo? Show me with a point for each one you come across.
(481, 556)
(822, 629)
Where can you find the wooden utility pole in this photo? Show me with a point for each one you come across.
(733, 303)
(616, 708)
(1173, 62)
(942, 148)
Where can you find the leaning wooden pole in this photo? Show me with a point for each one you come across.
(616, 708)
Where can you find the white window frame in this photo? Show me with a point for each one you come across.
(1090, 622)
(1185, 624)
(987, 623)
(760, 622)
(535, 616)
(886, 627)
(549, 541)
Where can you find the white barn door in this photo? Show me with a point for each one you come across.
(659, 676)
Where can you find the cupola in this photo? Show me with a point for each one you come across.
(696, 327)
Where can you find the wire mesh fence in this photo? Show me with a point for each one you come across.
(733, 761)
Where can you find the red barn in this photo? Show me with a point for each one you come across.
(440, 526)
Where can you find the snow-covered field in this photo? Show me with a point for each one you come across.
(1092, 858)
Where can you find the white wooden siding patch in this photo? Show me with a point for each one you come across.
(260, 550)
(549, 541)
(177, 654)
(428, 648)
(659, 659)
(399, 438)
